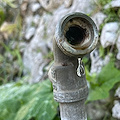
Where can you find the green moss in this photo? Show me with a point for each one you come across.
(2, 15)
(49, 56)
(104, 2)
(112, 15)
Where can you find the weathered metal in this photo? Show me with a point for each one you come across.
(76, 35)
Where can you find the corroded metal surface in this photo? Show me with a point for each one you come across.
(67, 85)
(90, 39)
(76, 35)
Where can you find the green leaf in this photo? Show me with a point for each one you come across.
(108, 72)
(101, 51)
(20, 101)
(10, 3)
(7, 27)
(56, 118)
(107, 78)
(89, 77)
(2, 15)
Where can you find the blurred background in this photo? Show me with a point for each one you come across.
(26, 31)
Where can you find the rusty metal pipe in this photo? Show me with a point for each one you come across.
(76, 35)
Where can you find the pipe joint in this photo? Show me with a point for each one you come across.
(67, 85)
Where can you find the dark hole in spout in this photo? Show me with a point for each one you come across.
(75, 35)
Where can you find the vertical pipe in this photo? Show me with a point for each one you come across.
(70, 90)
(76, 35)
(73, 111)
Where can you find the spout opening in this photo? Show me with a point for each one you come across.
(75, 35)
